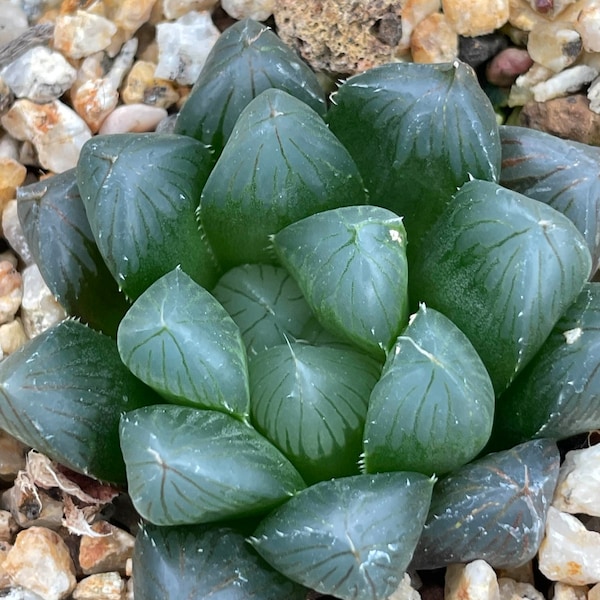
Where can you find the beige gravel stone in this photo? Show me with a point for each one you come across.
(12, 336)
(523, 17)
(588, 25)
(108, 552)
(259, 10)
(173, 9)
(554, 45)
(5, 580)
(13, 21)
(56, 131)
(13, 232)
(434, 40)
(564, 591)
(142, 87)
(132, 118)
(476, 17)
(40, 561)
(594, 593)
(413, 12)
(39, 308)
(569, 552)
(12, 456)
(11, 291)
(104, 586)
(474, 581)
(405, 590)
(130, 15)
(8, 527)
(83, 33)
(12, 175)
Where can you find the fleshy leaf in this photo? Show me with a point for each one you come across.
(181, 342)
(266, 303)
(558, 394)
(247, 59)
(417, 132)
(186, 466)
(350, 264)
(492, 509)
(204, 561)
(351, 537)
(280, 165)
(503, 268)
(561, 173)
(63, 393)
(432, 409)
(311, 403)
(58, 234)
(141, 192)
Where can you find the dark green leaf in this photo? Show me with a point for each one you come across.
(58, 234)
(247, 59)
(311, 403)
(280, 165)
(266, 303)
(186, 465)
(417, 132)
(503, 268)
(141, 192)
(351, 537)
(63, 393)
(432, 409)
(493, 509)
(558, 394)
(350, 264)
(561, 173)
(204, 561)
(180, 341)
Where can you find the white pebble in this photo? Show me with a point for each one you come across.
(563, 83)
(83, 33)
(132, 118)
(184, 45)
(40, 74)
(56, 131)
(569, 552)
(475, 581)
(13, 232)
(578, 487)
(39, 308)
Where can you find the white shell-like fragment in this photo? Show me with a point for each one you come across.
(56, 131)
(40, 74)
(184, 45)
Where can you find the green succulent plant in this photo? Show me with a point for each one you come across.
(253, 375)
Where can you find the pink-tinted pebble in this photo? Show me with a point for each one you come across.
(507, 65)
(132, 118)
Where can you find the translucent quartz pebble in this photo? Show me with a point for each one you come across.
(40, 74)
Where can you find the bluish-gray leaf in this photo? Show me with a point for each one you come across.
(432, 409)
(311, 403)
(180, 341)
(186, 465)
(204, 561)
(351, 537)
(492, 509)
(350, 264)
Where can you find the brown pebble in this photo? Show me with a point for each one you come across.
(507, 65)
